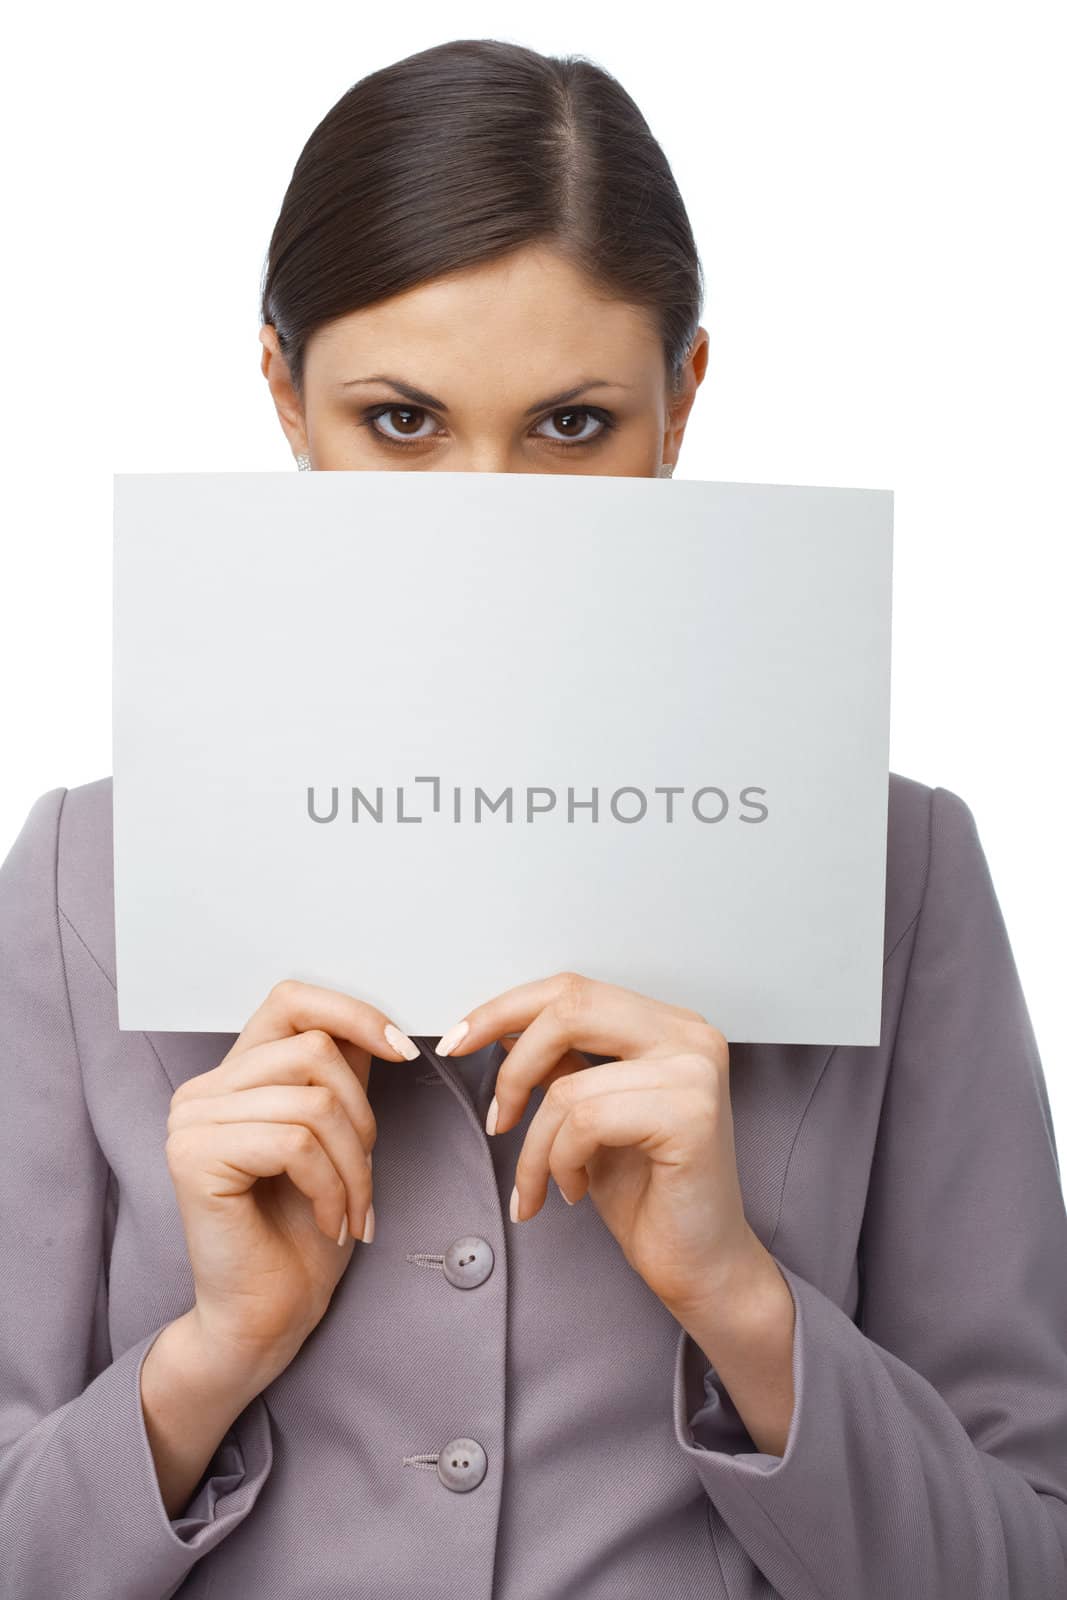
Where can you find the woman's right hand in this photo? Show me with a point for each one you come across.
(269, 1154)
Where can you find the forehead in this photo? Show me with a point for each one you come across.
(521, 319)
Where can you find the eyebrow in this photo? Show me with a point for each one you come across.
(421, 398)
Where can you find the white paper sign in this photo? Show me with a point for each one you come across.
(422, 736)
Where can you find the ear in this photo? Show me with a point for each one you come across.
(692, 376)
(275, 369)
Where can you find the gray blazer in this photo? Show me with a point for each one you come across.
(507, 1412)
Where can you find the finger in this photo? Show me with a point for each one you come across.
(314, 1106)
(532, 1167)
(570, 1061)
(587, 1015)
(357, 1056)
(620, 1118)
(294, 1007)
(303, 1058)
(232, 1156)
(684, 1078)
(573, 1061)
(614, 1021)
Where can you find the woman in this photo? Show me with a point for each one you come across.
(787, 1320)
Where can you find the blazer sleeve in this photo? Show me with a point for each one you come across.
(80, 1506)
(927, 1452)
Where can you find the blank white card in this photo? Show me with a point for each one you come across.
(422, 736)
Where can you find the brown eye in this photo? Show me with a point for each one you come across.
(407, 429)
(573, 425)
(407, 425)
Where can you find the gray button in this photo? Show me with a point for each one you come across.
(468, 1262)
(461, 1465)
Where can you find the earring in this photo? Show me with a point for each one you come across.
(666, 470)
(304, 463)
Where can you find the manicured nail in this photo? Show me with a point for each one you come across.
(448, 1041)
(494, 1112)
(343, 1235)
(569, 1202)
(401, 1042)
(368, 1227)
(513, 1208)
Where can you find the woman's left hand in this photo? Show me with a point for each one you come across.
(650, 1135)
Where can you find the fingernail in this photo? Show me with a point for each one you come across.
(368, 1227)
(494, 1112)
(343, 1235)
(513, 1208)
(449, 1040)
(569, 1202)
(401, 1042)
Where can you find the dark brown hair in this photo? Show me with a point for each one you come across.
(460, 154)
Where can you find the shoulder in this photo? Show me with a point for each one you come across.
(922, 818)
(62, 857)
(85, 868)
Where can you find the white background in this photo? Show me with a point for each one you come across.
(876, 194)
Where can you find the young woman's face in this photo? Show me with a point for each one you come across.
(465, 374)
